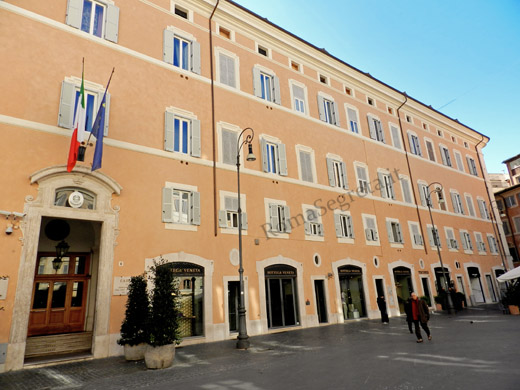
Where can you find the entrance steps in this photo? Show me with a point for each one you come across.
(58, 344)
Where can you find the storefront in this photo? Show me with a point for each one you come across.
(352, 294)
(477, 292)
(440, 279)
(403, 286)
(281, 296)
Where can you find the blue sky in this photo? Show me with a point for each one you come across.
(460, 56)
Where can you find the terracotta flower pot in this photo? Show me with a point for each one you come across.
(159, 357)
(514, 310)
(135, 352)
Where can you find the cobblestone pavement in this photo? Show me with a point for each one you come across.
(476, 349)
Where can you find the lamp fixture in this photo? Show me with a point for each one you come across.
(61, 250)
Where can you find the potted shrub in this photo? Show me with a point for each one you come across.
(438, 302)
(133, 328)
(163, 322)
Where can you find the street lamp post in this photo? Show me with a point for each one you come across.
(438, 189)
(243, 338)
(497, 232)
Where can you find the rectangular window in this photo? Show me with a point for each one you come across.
(394, 232)
(337, 173)
(481, 246)
(376, 129)
(510, 201)
(263, 51)
(224, 32)
(387, 185)
(92, 19)
(299, 98)
(423, 193)
(516, 221)
(266, 85)
(451, 240)
(328, 109)
(344, 227)
(228, 217)
(483, 209)
(445, 155)
(312, 224)
(371, 229)
(492, 244)
(181, 52)
(182, 135)
(353, 120)
(416, 234)
(415, 146)
(227, 73)
(70, 91)
(505, 226)
(273, 157)
(362, 176)
(396, 136)
(306, 166)
(457, 203)
(429, 149)
(279, 218)
(181, 12)
(181, 206)
(466, 241)
(433, 236)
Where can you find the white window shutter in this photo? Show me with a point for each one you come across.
(454, 203)
(67, 99)
(287, 216)
(231, 75)
(257, 85)
(273, 217)
(112, 23)
(337, 225)
(195, 57)
(265, 162)
(74, 13)
(282, 159)
(371, 127)
(107, 113)
(276, 90)
(384, 193)
(400, 233)
(195, 138)
(368, 234)
(395, 137)
(379, 130)
(195, 208)
(344, 175)
(223, 68)
(350, 226)
(320, 230)
(335, 113)
(389, 231)
(307, 227)
(244, 221)
(330, 172)
(321, 109)
(168, 131)
(352, 117)
(168, 46)
(464, 244)
(167, 204)
(222, 218)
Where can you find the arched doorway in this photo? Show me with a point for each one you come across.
(352, 294)
(281, 296)
(403, 286)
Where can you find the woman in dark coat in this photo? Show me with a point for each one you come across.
(420, 315)
(381, 303)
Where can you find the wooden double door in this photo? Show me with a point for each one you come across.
(59, 297)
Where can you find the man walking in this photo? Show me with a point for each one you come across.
(420, 315)
(381, 303)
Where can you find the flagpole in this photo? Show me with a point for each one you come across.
(106, 89)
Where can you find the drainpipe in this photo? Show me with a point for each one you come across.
(493, 216)
(410, 173)
(510, 223)
(213, 129)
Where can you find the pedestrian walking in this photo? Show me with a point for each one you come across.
(408, 311)
(420, 316)
(381, 303)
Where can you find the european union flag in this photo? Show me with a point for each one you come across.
(98, 131)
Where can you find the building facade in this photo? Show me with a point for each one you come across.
(335, 207)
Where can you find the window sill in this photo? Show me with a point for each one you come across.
(345, 240)
(277, 235)
(233, 231)
(314, 238)
(180, 226)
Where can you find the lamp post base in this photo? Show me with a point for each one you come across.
(243, 342)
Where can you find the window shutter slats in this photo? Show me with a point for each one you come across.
(282, 159)
(168, 131)
(372, 127)
(107, 113)
(350, 226)
(384, 192)
(344, 175)
(265, 162)
(195, 208)
(321, 109)
(222, 219)
(257, 85)
(396, 139)
(335, 113)
(167, 204)
(287, 216)
(195, 57)
(168, 46)
(74, 13)
(330, 172)
(273, 217)
(195, 138)
(112, 23)
(276, 90)
(337, 225)
(67, 99)
(244, 221)
(389, 231)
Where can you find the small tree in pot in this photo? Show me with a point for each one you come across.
(133, 328)
(163, 325)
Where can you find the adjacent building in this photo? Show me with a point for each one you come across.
(335, 207)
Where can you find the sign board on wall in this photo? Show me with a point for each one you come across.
(121, 285)
(4, 280)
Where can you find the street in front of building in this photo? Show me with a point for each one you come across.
(476, 349)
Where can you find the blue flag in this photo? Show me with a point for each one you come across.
(98, 131)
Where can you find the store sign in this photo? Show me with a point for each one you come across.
(186, 269)
(424, 272)
(402, 271)
(121, 285)
(280, 270)
(349, 270)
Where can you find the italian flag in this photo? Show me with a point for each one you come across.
(79, 128)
